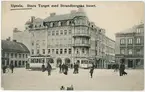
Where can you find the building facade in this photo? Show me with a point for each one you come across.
(130, 46)
(67, 38)
(14, 52)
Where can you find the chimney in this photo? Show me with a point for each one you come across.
(73, 11)
(14, 40)
(32, 18)
(52, 14)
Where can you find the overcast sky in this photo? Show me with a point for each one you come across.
(112, 16)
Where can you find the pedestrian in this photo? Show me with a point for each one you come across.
(121, 68)
(77, 68)
(4, 68)
(91, 71)
(65, 69)
(74, 69)
(62, 88)
(60, 68)
(49, 68)
(12, 67)
(71, 66)
(70, 88)
(43, 68)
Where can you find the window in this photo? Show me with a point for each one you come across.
(77, 51)
(69, 51)
(43, 42)
(122, 51)
(138, 40)
(32, 43)
(35, 26)
(43, 51)
(61, 51)
(138, 51)
(37, 42)
(130, 51)
(11, 55)
(52, 50)
(122, 41)
(68, 22)
(56, 51)
(57, 32)
(23, 55)
(65, 32)
(7, 54)
(69, 31)
(19, 55)
(53, 32)
(130, 41)
(15, 55)
(65, 51)
(138, 30)
(59, 23)
(48, 51)
(32, 51)
(49, 33)
(61, 32)
(83, 51)
(51, 24)
(37, 51)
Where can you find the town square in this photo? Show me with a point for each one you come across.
(72, 47)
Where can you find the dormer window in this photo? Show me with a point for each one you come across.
(59, 23)
(138, 30)
(68, 22)
(51, 24)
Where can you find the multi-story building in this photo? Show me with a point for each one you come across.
(14, 52)
(130, 46)
(67, 38)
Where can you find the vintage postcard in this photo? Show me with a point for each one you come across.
(72, 45)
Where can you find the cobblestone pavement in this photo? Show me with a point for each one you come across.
(103, 79)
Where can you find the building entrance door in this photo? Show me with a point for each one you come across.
(130, 63)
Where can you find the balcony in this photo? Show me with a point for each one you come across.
(81, 35)
(81, 45)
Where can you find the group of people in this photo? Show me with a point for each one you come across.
(68, 88)
(63, 68)
(11, 67)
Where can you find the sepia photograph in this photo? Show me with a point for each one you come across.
(72, 45)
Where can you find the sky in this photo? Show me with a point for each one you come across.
(111, 16)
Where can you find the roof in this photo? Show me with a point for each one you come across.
(28, 22)
(133, 29)
(38, 20)
(14, 47)
(64, 16)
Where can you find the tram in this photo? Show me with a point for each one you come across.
(36, 62)
(85, 64)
